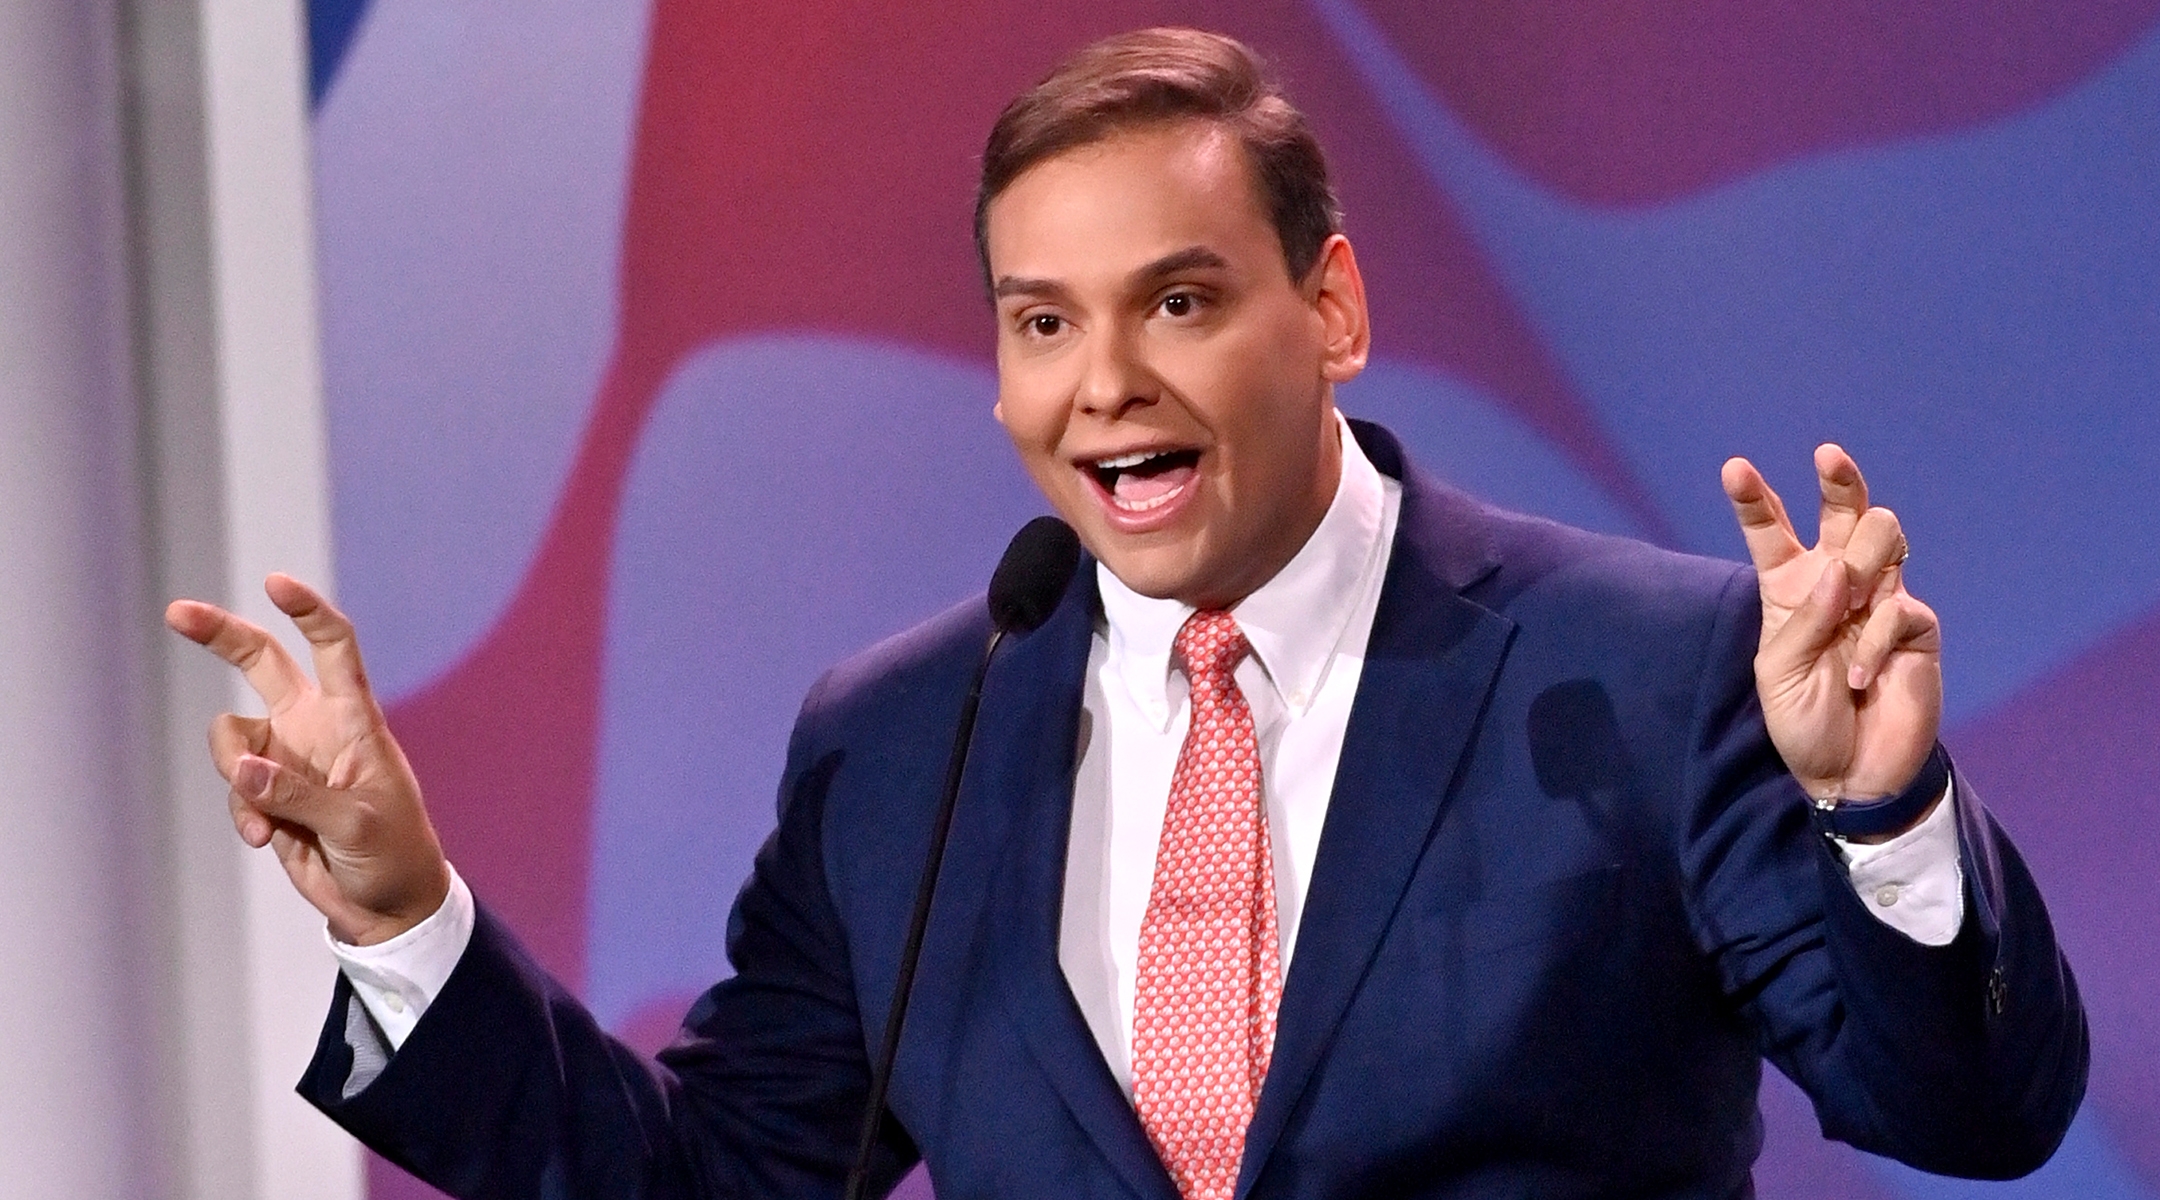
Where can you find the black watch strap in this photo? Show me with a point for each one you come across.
(1874, 818)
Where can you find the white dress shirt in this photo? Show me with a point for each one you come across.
(1308, 627)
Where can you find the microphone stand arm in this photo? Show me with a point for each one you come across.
(918, 924)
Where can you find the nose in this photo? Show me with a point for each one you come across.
(1115, 377)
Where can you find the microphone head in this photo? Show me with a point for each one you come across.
(1031, 578)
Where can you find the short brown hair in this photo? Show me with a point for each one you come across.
(1153, 75)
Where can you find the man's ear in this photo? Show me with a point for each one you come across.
(1338, 298)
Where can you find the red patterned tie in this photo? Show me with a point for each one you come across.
(1210, 971)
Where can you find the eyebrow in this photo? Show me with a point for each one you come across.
(1013, 285)
(1188, 259)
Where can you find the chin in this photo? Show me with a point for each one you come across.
(1183, 583)
(1169, 564)
(1147, 583)
(1152, 573)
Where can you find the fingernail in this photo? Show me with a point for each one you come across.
(252, 777)
(1856, 677)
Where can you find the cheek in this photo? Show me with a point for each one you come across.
(1217, 377)
(1274, 429)
(1256, 371)
(1035, 428)
(1256, 394)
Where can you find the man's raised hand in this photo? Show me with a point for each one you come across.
(1850, 664)
(320, 780)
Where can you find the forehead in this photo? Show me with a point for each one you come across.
(1129, 199)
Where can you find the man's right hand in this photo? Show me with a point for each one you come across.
(320, 780)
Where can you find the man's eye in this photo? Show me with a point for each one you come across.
(1180, 304)
(1044, 324)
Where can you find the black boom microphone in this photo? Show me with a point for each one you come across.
(1024, 591)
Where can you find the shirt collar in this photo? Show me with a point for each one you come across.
(1295, 621)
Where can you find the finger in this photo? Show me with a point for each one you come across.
(254, 828)
(1810, 630)
(291, 844)
(281, 794)
(329, 634)
(1771, 541)
(1875, 556)
(232, 736)
(1900, 623)
(1844, 495)
(265, 664)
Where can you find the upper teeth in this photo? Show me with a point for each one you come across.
(1122, 461)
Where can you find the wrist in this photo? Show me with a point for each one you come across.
(1880, 819)
(372, 926)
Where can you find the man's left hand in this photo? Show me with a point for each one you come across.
(1850, 664)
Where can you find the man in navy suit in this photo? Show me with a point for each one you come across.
(1545, 869)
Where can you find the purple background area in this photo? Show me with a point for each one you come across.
(1971, 303)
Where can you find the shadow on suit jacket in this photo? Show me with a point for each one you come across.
(1566, 900)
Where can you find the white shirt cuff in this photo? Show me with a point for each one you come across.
(1914, 883)
(397, 980)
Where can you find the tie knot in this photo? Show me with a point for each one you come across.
(1210, 645)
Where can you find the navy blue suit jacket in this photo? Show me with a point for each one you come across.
(1566, 901)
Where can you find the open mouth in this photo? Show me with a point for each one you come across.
(1145, 480)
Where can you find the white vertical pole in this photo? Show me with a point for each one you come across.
(164, 984)
(78, 1108)
(276, 494)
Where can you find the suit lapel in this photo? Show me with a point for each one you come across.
(1429, 668)
(1023, 762)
